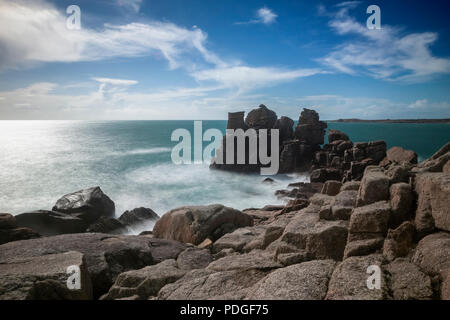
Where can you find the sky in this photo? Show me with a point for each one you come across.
(200, 59)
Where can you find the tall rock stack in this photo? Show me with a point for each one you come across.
(257, 119)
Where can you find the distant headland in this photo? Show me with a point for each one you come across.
(394, 120)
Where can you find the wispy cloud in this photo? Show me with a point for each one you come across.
(33, 32)
(388, 54)
(245, 78)
(264, 15)
(134, 5)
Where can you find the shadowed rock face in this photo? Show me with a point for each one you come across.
(11, 231)
(261, 118)
(51, 223)
(309, 129)
(88, 204)
(43, 278)
(196, 223)
(137, 216)
(106, 255)
(236, 121)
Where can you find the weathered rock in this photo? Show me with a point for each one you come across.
(407, 282)
(433, 202)
(351, 185)
(138, 216)
(50, 223)
(402, 204)
(7, 221)
(88, 204)
(325, 174)
(331, 187)
(399, 155)
(285, 125)
(196, 223)
(432, 254)
(399, 172)
(436, 162)
(370, 219)
(335, 135)
(446, 168)
(144, 282)
(257, 259)
(211, 285)
(349, 280)
(44, 278)
(309, 129)
(107, 225)
(374, 187)
(106, 255)
(236, 121)
(10, 231)
(237, 239)
(320, 238)
(304, 281)
(194, 258)
(342, 205)
(261, 118)
(363, 247)
(400, 241)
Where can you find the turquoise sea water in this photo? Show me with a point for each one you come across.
(43, 160)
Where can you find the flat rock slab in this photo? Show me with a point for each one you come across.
(106, 255)
(304, 281)
(211, 285)
(256, 259)
(44, 278)
(145, 282)
(349, 280)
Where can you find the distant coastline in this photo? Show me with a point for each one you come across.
(394, 120)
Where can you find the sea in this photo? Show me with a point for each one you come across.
(131, 161)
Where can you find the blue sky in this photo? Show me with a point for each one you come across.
(147, 59)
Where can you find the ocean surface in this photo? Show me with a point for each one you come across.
(131, 161)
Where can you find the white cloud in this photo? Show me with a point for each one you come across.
(245, 78)
(134, 5)
(387, 54)
(35, 31)
(116, 81)
(264, 15)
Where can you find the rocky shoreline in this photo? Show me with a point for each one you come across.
(365, 206)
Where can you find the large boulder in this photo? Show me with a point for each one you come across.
(138, 216)
(144, 282)
(400, 241)
(402, 203)
(370, 219)
(237, 239)
(106, 255)
(107, 225)
(194, 258)
(374, 187)
(407, 282)
(336, 135)
(304, 281)
(261, 118)
(432, 255)
(196, 223)
(331, 187)
(433, 202)
(309, 129)
(349, 280)
(51, 223)
(236, 121)
(10, 231)
(399, 155)
(322, 239)
(44, 277)
(87, 204)
(286, 127)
